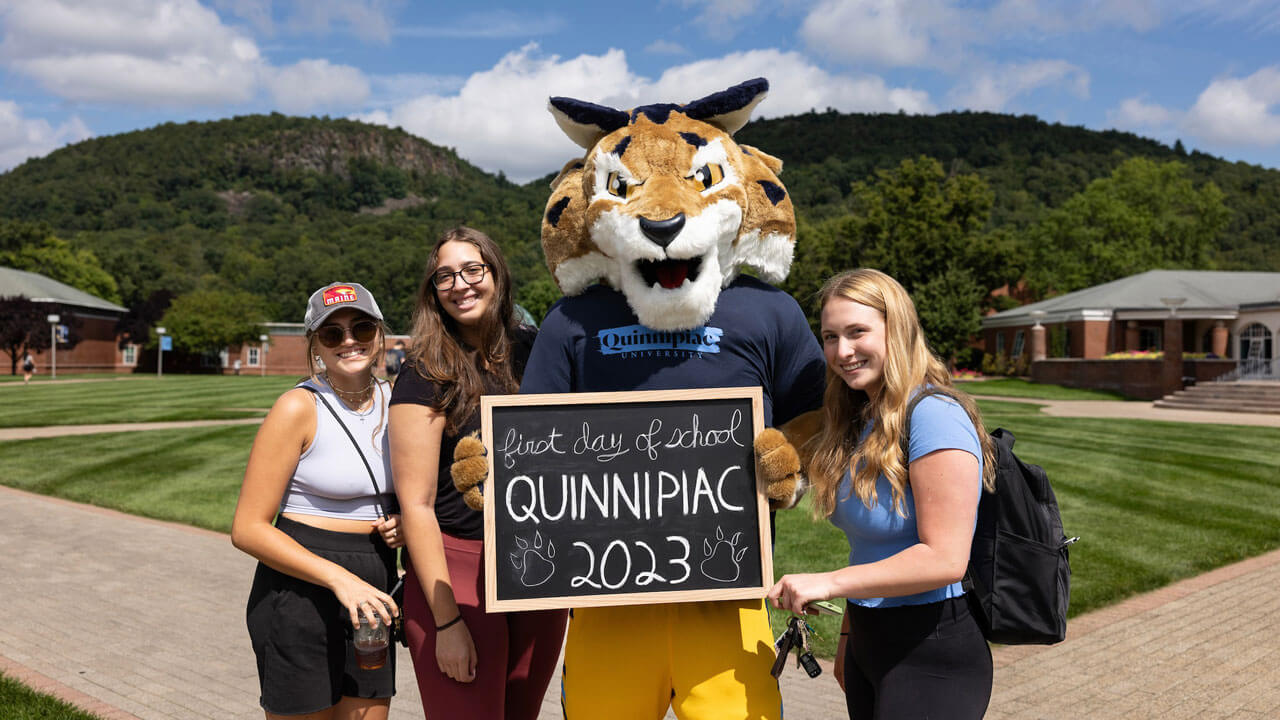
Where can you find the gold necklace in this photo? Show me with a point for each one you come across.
(350, 396)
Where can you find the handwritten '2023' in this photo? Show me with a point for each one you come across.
(607, 445)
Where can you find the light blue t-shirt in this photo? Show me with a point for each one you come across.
(875, 533)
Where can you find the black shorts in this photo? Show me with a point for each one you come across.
(302, 634)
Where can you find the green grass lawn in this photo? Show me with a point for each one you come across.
(43, 375)
(19, 702)
(1020, 388)
(137, 398)
(1153, 502)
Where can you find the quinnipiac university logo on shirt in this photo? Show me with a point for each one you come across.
(638, 341)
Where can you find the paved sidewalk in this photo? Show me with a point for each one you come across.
(1136, 410)
(135, 618)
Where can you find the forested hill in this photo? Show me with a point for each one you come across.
(245, 168)
(274, 206)
(1031, 166)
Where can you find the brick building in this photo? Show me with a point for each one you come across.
(1233, 317)
(98, 349)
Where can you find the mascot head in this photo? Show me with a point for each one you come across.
(665, 206)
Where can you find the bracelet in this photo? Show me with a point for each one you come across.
(449, 624)
(844, 633)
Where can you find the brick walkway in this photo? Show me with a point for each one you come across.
(134, 618)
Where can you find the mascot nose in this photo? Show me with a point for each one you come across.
(662, 232)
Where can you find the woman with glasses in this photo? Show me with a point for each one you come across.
(324, 534)
(466, 343)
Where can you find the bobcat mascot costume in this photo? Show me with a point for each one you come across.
(647, 232)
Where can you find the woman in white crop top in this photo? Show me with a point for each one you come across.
(309, 513)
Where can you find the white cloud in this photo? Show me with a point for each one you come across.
(23, 138)
(888, 32)
(368, 19)
(994, 88)
(489, 25)
(796, 85)
(1057, 17)
(133, 51)
(721, 19)
(308, 85)
(498, 119)
(1136, 113)
(1239, 111)
(665, 47)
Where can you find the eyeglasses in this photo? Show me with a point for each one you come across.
(331, 336)
(471, 274)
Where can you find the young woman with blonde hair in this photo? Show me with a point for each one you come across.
(909, 648)
(466, 343)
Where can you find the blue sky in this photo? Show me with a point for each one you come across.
(475, 76)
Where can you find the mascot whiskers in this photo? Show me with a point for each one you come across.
(647, 234)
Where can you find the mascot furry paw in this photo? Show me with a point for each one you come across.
(647, 235)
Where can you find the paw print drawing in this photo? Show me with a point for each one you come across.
(536, 568)
(722, 560)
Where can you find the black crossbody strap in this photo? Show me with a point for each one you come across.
(377, 490)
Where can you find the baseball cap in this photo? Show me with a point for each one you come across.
(339, 296)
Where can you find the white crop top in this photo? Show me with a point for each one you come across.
(330, 479)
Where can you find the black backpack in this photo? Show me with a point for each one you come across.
(1019, 577)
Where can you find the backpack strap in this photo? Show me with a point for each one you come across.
(377, 490)
(905, 440)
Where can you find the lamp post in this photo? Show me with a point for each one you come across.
(53, 346)
(160, 352)
(262, 361)
(1038, 346)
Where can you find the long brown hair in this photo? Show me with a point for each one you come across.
(437, 350)
(909, 365)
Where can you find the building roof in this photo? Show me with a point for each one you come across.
(38, 288)
(1203, 294)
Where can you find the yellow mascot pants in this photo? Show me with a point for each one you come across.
(707, 660)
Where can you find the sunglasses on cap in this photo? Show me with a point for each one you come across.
(332, 336)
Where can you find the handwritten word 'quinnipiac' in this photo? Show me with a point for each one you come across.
(609, 496)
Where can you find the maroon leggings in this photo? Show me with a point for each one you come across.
(516, 652)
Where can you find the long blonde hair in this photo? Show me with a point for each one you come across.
(909, 365)
(315, 372)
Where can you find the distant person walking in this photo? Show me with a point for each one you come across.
(395, 359)
(466, 343)
(329, 556)
(28, 368)
(905, 490)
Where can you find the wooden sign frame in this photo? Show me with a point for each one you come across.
(639, 399)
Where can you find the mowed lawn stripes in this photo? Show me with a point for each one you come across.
(140, 399)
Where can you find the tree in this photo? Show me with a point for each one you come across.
(210, 320)
(1146, 215)
(54, 258)
(925, 228)
(24, 327)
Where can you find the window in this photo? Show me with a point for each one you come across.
(1019, 340)
(129, 355)
(253, 356)
(1149, 338)
(999, 343)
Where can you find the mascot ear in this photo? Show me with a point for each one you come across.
(729, 109)
(769, 161)
(585, 123)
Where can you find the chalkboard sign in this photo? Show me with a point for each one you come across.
(623, 498)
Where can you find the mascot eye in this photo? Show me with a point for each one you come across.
(617, 186)
(708, 175)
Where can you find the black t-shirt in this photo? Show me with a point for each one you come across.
(411, 387)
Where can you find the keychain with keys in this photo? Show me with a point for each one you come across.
(804, 654)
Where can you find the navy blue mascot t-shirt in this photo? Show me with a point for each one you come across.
(757, 335)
